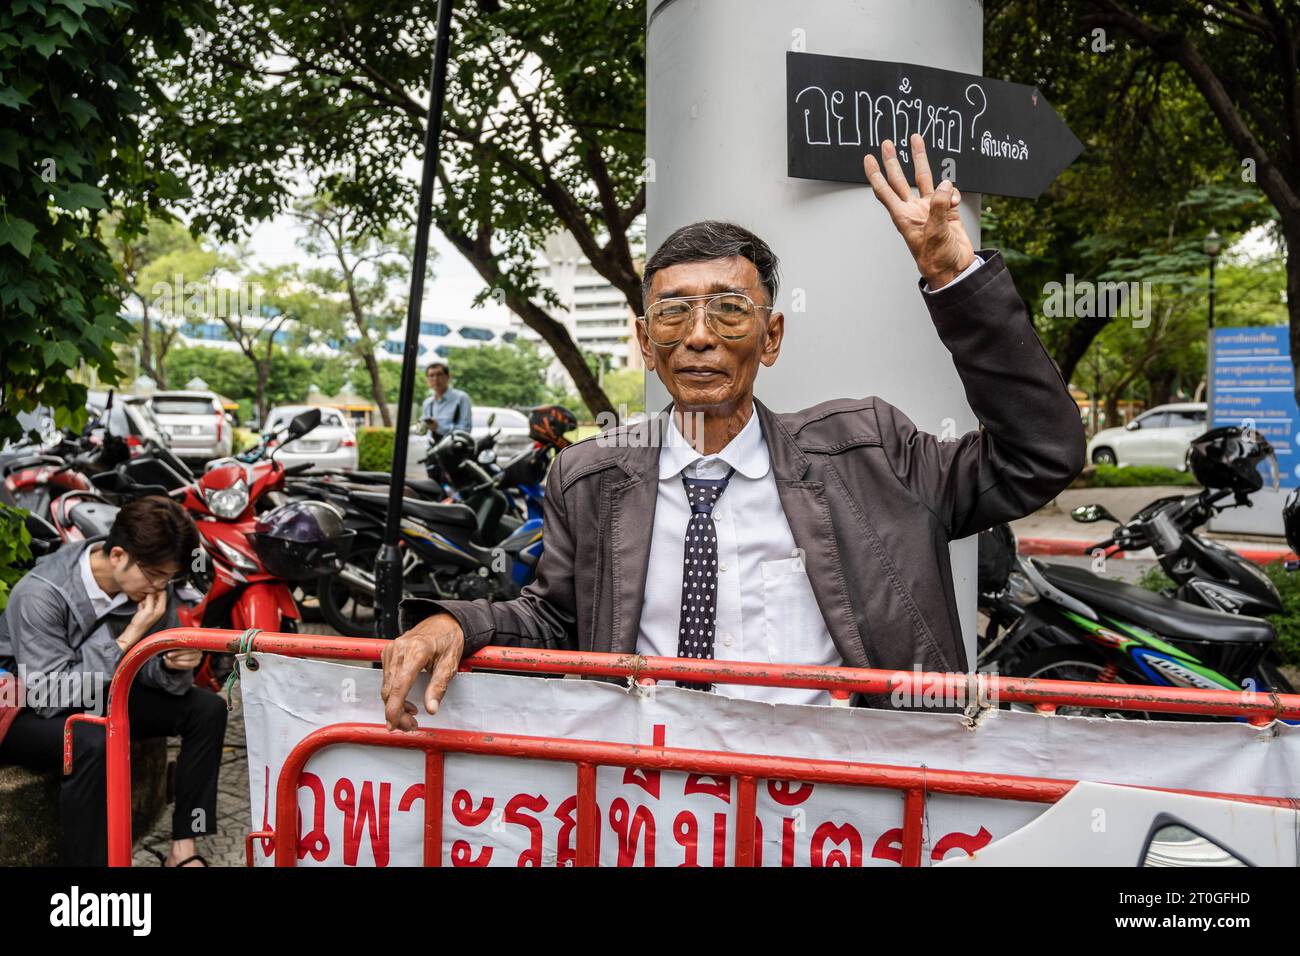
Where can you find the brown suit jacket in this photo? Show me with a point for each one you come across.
(872, 501)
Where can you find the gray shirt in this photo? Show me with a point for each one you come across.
(51, 634)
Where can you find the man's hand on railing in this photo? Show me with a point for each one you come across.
(435, 644)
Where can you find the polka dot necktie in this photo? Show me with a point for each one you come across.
(700, 571)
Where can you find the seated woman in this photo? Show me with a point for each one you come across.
(68, 623)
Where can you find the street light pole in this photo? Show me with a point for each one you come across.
(1213, 245)
(388, 565)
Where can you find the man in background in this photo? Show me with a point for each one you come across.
(447, 408)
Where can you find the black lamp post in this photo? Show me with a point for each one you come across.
(388, 565)
(1213, 245)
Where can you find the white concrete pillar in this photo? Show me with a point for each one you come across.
(716, 149)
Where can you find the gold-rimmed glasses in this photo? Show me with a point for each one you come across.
(730, 315)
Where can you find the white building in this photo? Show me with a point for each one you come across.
(596, 314)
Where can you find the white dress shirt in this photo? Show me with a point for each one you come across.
(766, 609)
(100, 602)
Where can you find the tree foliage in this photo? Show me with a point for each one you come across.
(543, 129)
(70, 149)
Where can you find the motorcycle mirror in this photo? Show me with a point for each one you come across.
(304, 422)
(1087, 514)
(491, 418)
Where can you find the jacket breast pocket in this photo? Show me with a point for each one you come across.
(793, 628)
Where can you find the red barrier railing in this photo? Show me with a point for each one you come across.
(1258, 708)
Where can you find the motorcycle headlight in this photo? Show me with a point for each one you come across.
(228, 503)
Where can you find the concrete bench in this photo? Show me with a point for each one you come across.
(29, 805)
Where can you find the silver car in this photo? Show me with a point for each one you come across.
(331, 444)
(1161, 436)
(196, 422)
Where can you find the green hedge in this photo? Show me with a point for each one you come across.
(1113, 476)
(15, 549)
(1287, 624)
(375, 449)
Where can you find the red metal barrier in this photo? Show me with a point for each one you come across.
(586, 754)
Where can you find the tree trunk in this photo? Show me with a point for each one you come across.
(1293, 301)
(1074, 345)
(554, 333)
(377, 386)
(263, 369)
(146, 345)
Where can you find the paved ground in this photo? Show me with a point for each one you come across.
(226, 846)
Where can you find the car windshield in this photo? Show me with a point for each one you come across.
(505, 418)
(183, 406)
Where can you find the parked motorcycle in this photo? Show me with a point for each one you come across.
(484, 544)
(1067, 623)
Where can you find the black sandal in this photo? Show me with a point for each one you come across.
(188, 859)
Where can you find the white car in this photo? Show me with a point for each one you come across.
(1161, 436)
(196, 422)
(331, 444)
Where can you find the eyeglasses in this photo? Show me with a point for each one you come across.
(154, 581)
(730, 315)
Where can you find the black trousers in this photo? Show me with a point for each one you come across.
(198, 717)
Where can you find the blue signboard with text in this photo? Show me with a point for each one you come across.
(1252, 384)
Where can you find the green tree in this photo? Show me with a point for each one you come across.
(1148, 179)
(544, 129)
(512, 374)
(71, 149)
(360, 278)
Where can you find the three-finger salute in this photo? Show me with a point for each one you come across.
(929, 223)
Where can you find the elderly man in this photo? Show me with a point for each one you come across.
(810, 537)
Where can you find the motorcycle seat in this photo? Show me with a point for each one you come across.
(1168, 618)
(449, 514)
(426, 487)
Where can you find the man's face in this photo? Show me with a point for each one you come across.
(138, 580)
(704, 372)
(438, 379)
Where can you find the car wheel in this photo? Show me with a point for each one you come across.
(1103, 456)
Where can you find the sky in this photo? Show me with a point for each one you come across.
(447, 295)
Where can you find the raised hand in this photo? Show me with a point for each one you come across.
(929, 223)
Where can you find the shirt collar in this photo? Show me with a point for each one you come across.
(746, 452)
(98, 596)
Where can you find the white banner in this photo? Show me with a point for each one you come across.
(363, 806)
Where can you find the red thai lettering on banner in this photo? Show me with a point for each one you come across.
(518, 803)
(566, 850)
(686, 831)
(647, 780)
(316, 842)
(412, 793)
(719, 787)
(630, 828)
(787, 841)
(830, 833)
(266, 808)
(889, 846)
(969, 842)
(462, 808)
(787, 793)
(462, 854)
(360, 815)
(719, 839)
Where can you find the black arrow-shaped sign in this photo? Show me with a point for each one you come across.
(985, 135)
